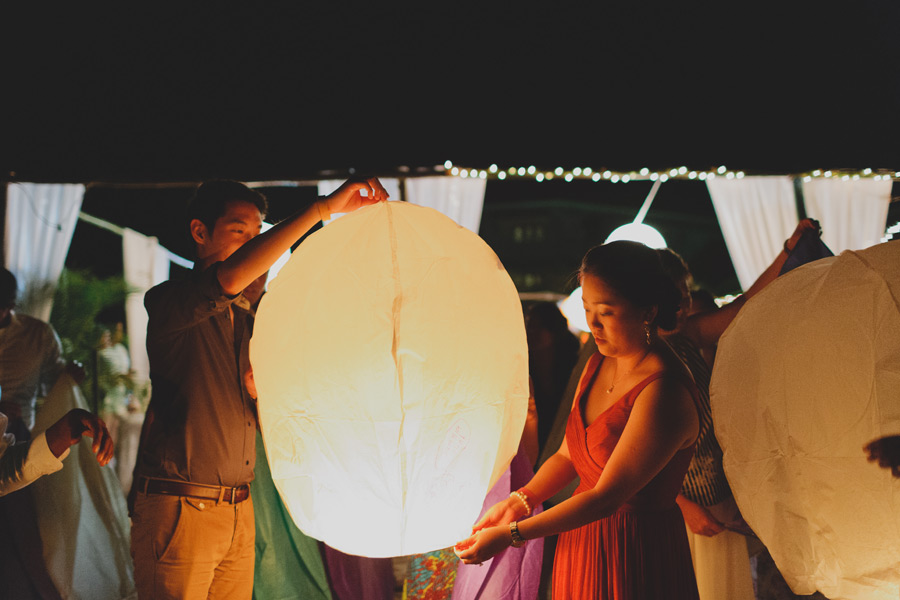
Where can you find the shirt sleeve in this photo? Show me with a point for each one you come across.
(175, 306)
(22, 464)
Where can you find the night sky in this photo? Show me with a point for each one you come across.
(265, 93)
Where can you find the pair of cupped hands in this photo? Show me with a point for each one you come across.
(490, 535)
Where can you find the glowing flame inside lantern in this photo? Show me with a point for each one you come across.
(391, 364)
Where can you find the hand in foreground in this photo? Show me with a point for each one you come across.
(699, 519)
(348, 197)
(483, 544)
(72, 426)
(886, 452)
(802, 227)
(503, 513)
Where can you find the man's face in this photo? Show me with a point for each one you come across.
(240, 223)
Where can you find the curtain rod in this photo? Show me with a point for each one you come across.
(120, 231)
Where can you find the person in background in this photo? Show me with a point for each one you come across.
(31, 361)
(193, 530)
(120, 407)
(552, 352)
(115, 379)
(703, 301)
(716, 530)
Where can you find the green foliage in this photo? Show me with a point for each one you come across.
(80, 297)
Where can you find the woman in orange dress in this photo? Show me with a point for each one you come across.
(630, 438)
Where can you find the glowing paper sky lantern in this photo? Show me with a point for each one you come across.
(805, 376)
(391, 364)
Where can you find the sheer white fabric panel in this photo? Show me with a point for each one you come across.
(146, 265)
(40, 221)
(756, 215)
(460, 199)
(82, 515)
(853, 214)
(392, 186)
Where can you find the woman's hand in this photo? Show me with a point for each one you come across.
(802, 227)
(503, 513)
(698, 519)
(483, 544)
(348, 197)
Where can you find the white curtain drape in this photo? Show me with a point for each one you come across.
(853, 214)
(146, 264)
(756, 215)
(40, 221)
(460, 199)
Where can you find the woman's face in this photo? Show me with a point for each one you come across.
(616, 324)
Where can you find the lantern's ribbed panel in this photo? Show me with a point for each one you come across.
(805, 376)
(391, 364)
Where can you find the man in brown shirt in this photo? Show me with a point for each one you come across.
(192, 516)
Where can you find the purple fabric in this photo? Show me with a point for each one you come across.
(515, 573)
(358, 577)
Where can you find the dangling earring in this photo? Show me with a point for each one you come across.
(647, 332)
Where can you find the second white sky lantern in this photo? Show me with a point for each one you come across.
(806, 375)
(391, 364)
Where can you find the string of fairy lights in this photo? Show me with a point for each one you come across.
(647, 174)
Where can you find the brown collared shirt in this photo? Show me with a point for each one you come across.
(201, 422)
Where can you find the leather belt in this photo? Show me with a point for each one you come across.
(169, 487)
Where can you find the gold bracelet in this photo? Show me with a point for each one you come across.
(517, 540)
(324, 213)
(524, 500)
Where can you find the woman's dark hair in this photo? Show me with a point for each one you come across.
(211, 198)
(635, 272)
(675, 267)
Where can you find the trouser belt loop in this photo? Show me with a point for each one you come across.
(221, 494)
(146, 485)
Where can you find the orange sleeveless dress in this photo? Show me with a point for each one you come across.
(640, 552)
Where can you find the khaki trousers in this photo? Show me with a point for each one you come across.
(185, 548)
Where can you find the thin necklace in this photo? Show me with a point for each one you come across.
(626, 373)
